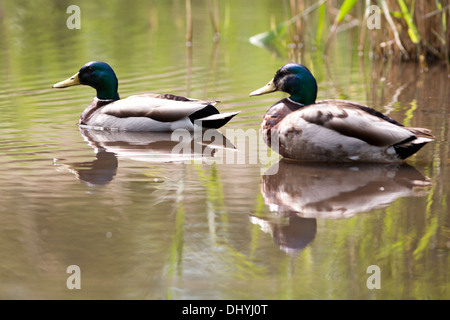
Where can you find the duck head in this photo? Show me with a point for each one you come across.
(294, 79)
(99, 75)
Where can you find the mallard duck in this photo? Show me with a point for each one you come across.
(300, 128)
(146, 112)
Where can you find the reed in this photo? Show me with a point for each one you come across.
(214, 15)
(213, 9)
(409, 30)
(189, 28)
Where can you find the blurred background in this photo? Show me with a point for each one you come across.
(142, 227)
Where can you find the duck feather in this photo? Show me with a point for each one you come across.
(155, 107)
(353, 120)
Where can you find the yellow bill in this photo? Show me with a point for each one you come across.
(268, 88)
(72, 81)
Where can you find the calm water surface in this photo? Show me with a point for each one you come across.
(141, 227)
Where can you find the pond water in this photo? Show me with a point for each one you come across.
(141, 225)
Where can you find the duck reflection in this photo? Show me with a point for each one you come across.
(289, 231)
(298, 193)
(98, 172)
(153, 147)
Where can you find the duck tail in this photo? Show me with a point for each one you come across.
(410, 146)
(216, 121)
(210, 118)
(421, 132)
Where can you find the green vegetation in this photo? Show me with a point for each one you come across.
(403, 29)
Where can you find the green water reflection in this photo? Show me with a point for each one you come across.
(142, 229)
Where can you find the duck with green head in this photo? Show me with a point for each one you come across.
(146, 112)
(299, 127)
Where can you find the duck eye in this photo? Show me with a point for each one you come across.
(90, 69)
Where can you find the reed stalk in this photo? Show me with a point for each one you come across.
(213, 9)
(189, 27)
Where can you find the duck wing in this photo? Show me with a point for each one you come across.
(358, 121)
(169, 96)
(164, 108)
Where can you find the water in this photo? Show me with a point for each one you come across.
(139, 227)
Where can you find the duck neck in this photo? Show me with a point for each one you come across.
(302, 88)
(304, 98)
(107, 90)
(107, 94)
